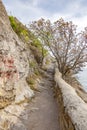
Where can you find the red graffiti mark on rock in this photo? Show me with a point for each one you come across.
(8, 70)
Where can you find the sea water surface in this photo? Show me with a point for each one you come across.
(82, 78)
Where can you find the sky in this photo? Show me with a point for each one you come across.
(30, 10)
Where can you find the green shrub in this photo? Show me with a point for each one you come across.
(37, 72)
(30, 81)
(19, 29)
(47, 62)
(13, 23)
(32, 64)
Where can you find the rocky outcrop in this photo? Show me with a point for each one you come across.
(74, 106)
(14, 64)
(14, 69)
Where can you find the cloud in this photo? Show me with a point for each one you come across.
(29, 10)
(24, 11)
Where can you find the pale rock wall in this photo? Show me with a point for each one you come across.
(14, 64)
(73, 104)
(14, 68)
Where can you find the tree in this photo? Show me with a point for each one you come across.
(61, 39)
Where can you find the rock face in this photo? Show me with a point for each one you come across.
(14, 69)
(14, 65)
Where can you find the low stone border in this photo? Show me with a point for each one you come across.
(73, 104)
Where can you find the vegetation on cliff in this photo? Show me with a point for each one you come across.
(29, 38)
(37, 53)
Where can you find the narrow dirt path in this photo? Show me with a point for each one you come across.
(43, 110)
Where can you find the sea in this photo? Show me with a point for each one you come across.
(82, 78)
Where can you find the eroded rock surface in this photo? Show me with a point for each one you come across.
(14, 68)
(14, 65)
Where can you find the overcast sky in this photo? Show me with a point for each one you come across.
(29, 10)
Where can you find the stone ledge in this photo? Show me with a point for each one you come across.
(73, 104)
